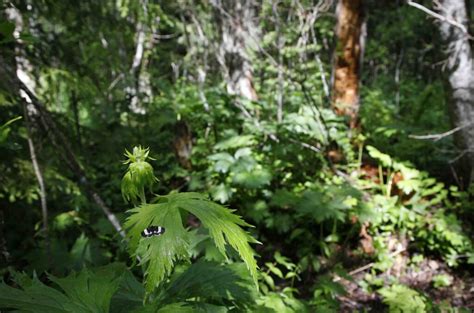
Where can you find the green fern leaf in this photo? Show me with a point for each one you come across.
(400, 299)
(160, 253)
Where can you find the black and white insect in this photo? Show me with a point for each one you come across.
(153, 231)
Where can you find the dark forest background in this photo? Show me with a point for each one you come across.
(299, 156)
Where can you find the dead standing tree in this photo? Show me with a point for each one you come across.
(349, 51)
(236, 21)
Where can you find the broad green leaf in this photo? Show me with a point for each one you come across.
(224, 228)
(92, 290)
(236, 142)
(183, 307)
(85, 292)
(212, 282)
(35, 298)
(253, 179)
(129, 296)
(177, 308)
(385, 159)
(160, 253)
(221, 193)
(223, 161)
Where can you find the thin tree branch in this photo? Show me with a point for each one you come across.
(38, 174)
(441, 18)
(437, 137)
(59, 141)
(306, 145)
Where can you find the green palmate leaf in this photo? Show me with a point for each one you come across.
(176, 307)
(213, 283)
(129, 296)
(35, 298)
(224, 228)
(92, 290)
(85, 292)
(236, 142)
(159, 253)
(183, 307)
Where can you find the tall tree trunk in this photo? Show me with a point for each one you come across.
(238, 29)
(460, 68)
(349, 51)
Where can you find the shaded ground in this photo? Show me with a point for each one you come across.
(460, 292)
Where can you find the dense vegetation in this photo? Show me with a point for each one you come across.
(217, 121)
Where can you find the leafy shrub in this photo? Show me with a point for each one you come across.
(401, 299)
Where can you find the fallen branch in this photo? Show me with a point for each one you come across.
(367, 266)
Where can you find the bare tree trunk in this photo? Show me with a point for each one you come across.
(183, 144)
(141, 86)
(280, 78)
(349, 51)
(238, 29)
(460, 68)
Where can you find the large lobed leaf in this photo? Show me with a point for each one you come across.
(85, 292)
(213, 283)
(159, 253)
(92, 290)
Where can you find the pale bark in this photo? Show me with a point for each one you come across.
(140, 89)
(349, 51)
(460, 69)
(237, 30)
(38, 174)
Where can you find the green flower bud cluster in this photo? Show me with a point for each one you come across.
(138, 176)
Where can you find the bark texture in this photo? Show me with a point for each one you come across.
(460, 68)
(236, 19)
(183, 144)
(349, 32)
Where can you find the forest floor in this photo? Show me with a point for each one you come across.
(460, 292)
